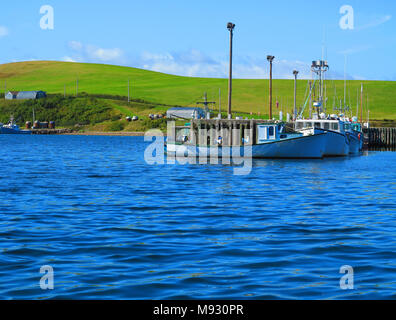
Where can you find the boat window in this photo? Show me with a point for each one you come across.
(308, 125)
(334, 126)
(326, 126)
(317, 124)
(271, 131)
(299, 125)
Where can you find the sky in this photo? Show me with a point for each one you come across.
(190, 38)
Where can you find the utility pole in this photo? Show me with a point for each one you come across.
(219, 103)
(270, 59)
(128, 92)
(367, 107)
(361, 104)
(77, 87)
(295, 72)
(230, 27)
(368, 118)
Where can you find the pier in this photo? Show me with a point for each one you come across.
(380, 137)
(232, 132)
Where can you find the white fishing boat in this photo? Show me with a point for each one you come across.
(12, 128)
(336, 142)
(339, 137)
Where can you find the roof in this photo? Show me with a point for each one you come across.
(27, 94)
(184, 108)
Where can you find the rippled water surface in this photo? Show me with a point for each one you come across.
(113, 227)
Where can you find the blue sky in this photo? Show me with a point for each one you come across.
(190, 37)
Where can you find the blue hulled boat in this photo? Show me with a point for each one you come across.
(12, 128)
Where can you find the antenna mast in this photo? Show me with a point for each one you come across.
(319, 68)
(206, 103)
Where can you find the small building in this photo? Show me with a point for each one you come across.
(23, 95)
(185, 113)
(11, 95)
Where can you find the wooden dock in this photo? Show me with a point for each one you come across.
(380, 137)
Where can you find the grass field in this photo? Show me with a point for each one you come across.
(248, 95)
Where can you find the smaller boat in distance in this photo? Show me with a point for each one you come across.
(12, 128)
(354, 132)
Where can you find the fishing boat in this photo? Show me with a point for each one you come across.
(337, 143)
(12, 128)
(233, 138)
(355, 136)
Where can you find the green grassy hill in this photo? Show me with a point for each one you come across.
(248, 95)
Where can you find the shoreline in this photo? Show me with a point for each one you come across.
(99, 133)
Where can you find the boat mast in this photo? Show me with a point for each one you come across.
(345, 85)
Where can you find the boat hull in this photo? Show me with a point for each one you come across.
(305, 147)
(5, 130)
(336, 145)
(355, 142)
(302, 147)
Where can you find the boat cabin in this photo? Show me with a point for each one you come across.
(355, 126)
(332, 125)
(270, 132)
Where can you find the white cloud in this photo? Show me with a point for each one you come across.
(196, 64)
(91, 53)
(105, 55)
(375, 22)
(68, 59)
(3, 31)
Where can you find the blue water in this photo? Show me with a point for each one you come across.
(113, 227)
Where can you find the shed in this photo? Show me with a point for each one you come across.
(22, 95)
(185, 113)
